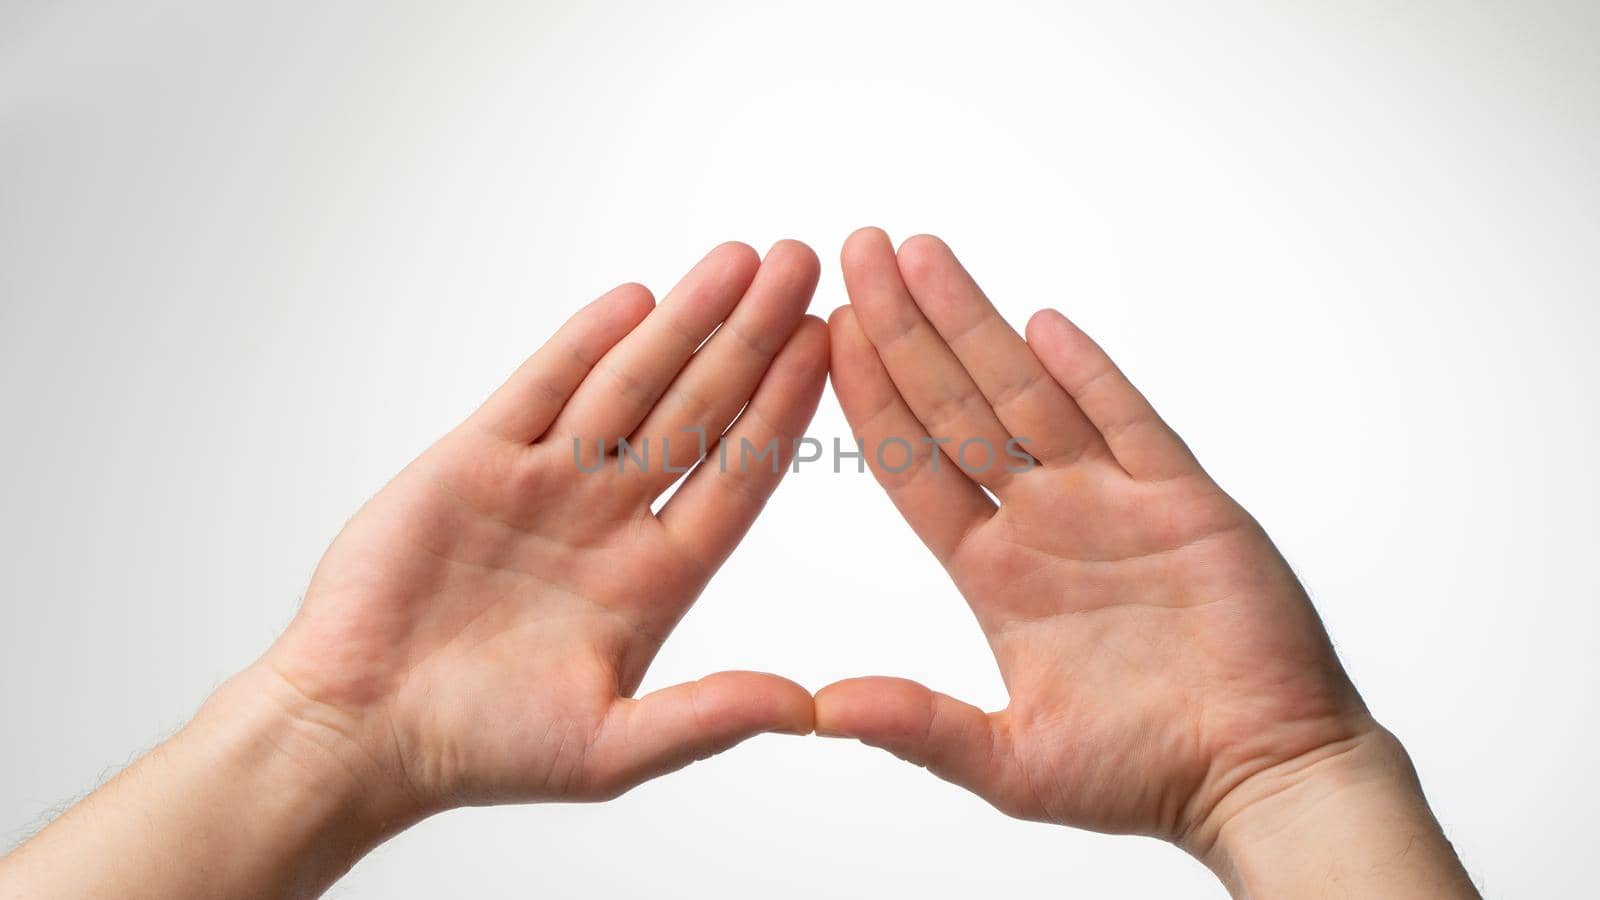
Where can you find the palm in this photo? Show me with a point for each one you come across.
(1145, 627)
(485, 620)
(531, 602)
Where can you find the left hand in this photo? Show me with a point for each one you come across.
(476, 633)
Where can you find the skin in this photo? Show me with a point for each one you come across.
(477, 633)
(490, 613)
(1167, 673)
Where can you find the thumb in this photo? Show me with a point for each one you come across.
(954, 740)
(667, 729)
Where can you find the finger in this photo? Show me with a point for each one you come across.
(720, 377)
(523, 407)
(937, 499)
(954, 740)
(666, 730)
(627, 381)
(1028, 402)
(714, 508)
(927, 373)
(1141, 442)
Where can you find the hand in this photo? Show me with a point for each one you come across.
(476, 633)
(479, 628)
(1165, 668)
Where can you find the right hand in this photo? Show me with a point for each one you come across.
(1165, 668)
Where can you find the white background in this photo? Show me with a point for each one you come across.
(254, 257)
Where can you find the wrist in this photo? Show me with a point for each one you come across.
(1350, 815)
(259, 796)
(314, 795)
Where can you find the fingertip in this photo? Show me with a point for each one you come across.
(814, 333)
(794, 252)
(798, 709)
(831, 714)
(848, 349)
(636, 290)
(922, 252)
(862, 243)
(845, 328)
(736, 248)
(758, 702)
(736, 255)
(806, 351)
(1052, 336)
(630, 298)
(869, 708)
(1042, 322)
(790, 272)
(870, 233)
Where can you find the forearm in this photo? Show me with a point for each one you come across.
(251, 799)
(1350, 822)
